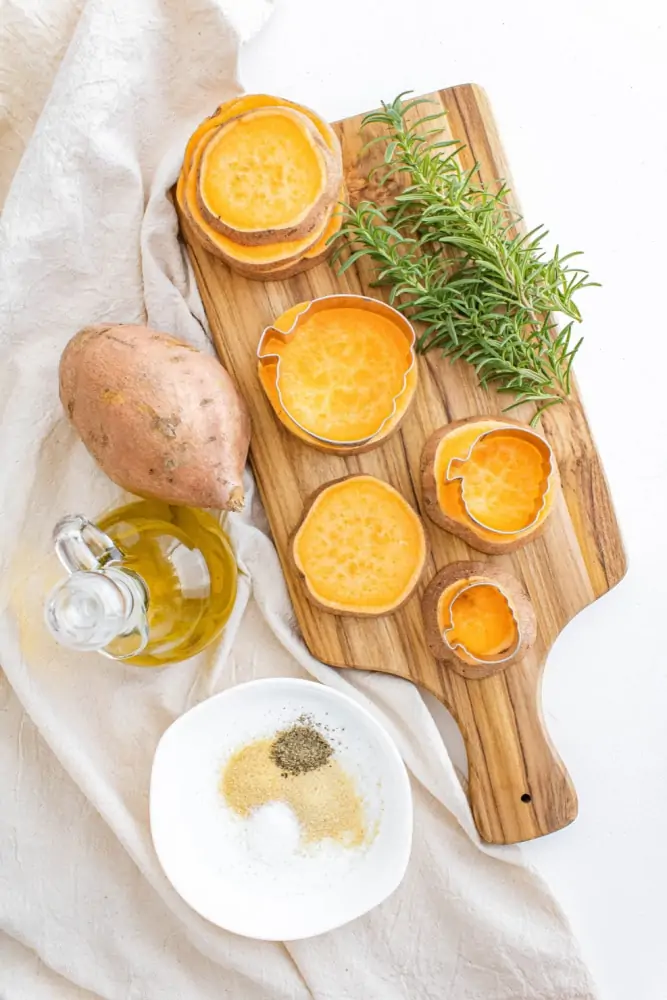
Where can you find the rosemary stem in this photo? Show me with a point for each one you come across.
(453, 256)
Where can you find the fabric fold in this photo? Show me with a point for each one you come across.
(89, 234)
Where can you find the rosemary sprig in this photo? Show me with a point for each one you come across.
(450, 249)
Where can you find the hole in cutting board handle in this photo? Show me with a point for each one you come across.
(526, 797)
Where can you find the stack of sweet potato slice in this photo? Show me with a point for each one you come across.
(261, 186)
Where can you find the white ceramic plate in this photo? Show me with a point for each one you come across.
(253, 876)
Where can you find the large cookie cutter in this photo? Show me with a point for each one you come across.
(521, 432)
(322, 305)
(458, 647)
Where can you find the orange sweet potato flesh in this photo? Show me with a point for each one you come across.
(346, 373)
(360, 548)
(161, 418)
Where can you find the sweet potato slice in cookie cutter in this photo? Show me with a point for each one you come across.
(478, 618)
(500, 646)
(343, 384)
(508, 449)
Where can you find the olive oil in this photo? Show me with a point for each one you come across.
(185, 562)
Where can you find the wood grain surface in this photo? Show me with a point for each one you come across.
(518, 786)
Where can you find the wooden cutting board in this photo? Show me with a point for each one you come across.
(518, 786)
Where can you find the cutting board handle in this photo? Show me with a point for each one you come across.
(519, 788)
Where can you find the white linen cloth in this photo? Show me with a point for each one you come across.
(90, 235)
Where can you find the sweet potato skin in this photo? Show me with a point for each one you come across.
(508, 584)
(161, 418)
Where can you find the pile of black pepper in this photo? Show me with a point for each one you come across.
(299, 749)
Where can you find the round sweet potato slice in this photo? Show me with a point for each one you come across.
(267, 176)
(360, 548)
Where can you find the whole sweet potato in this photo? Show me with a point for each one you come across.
(162, 419)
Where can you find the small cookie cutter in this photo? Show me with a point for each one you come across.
(456, 646)
(322, 304)
(506, 431)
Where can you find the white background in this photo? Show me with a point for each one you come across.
(580, 95)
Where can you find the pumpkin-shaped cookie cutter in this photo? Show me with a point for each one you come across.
(323, 304)
(518, 432)
(459, 648)
(438, 601)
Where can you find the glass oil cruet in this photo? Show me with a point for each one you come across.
(151, 583)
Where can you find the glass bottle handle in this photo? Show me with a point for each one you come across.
(80, 545)
(101, 605)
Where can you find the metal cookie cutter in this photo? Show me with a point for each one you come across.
(268, 357)
(455, 471)
(458, 647)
